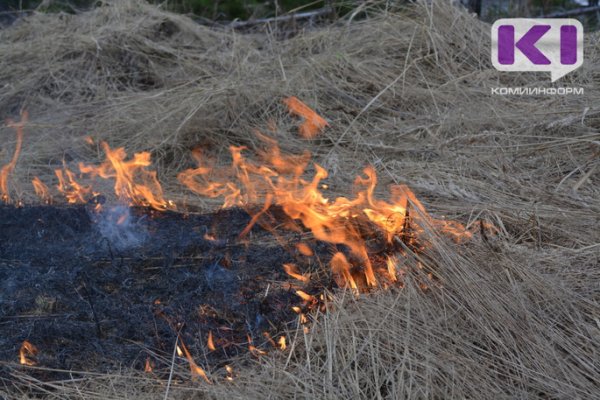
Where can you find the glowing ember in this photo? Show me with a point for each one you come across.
(27, 350)
(8, 168)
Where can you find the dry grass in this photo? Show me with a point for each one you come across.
(518, 316)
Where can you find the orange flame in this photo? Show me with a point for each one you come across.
(8, 168)
(292, 271)
(282, 343)
(41, 190)
(229, 370)
(277, 179)
(210, 342)
(313, 122)
(341, 271)
(27, 350)
(147, 365)
(254, 350)
(195, 369)
(304, 249)
(133, 182)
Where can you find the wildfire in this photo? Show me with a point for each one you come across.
(274, 179)
(269, 179)
(27, 350)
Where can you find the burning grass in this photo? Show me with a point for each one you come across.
(514, 314)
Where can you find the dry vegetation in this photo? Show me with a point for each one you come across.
(517, 316)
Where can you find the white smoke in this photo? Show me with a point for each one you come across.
(122, 230)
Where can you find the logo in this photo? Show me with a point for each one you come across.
(523, 44)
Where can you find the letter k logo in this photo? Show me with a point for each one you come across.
(506, 44)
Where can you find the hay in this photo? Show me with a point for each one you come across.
(407, 91)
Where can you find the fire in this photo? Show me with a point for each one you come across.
(195, 369)
(282, 343)
(275, 179)
(253, 349)
(27, 350)
(304, 249)
(8, 168)
(341, 271)
(305, 296)
(148, 365)
(70, 188)
(41, 190)
(391, 268)
(229, 371)
(313, 122)
(292, 271)
(210, 342)
(133, 182)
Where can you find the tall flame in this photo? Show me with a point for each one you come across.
(7, 169)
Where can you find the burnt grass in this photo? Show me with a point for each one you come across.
(92, 299)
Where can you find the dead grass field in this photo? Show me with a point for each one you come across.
(408, 91)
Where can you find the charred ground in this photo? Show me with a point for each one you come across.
(87, 305)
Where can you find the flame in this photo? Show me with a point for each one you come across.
(282, 343)
(292, 271)
(277, 179)
(304, 249)
(391, 267)
(269, 339)
(41, 190)
(341, 271)
(229, 370)
(305, 296)
(210, 342)
(70, 188)
(148, 365)
(254, 350)
(27, 350)
(195, 369)
(6, 170)
(313, 122)
(133, 182)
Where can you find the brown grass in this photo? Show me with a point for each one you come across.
(408, 91)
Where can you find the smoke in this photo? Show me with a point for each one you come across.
(119, 227)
